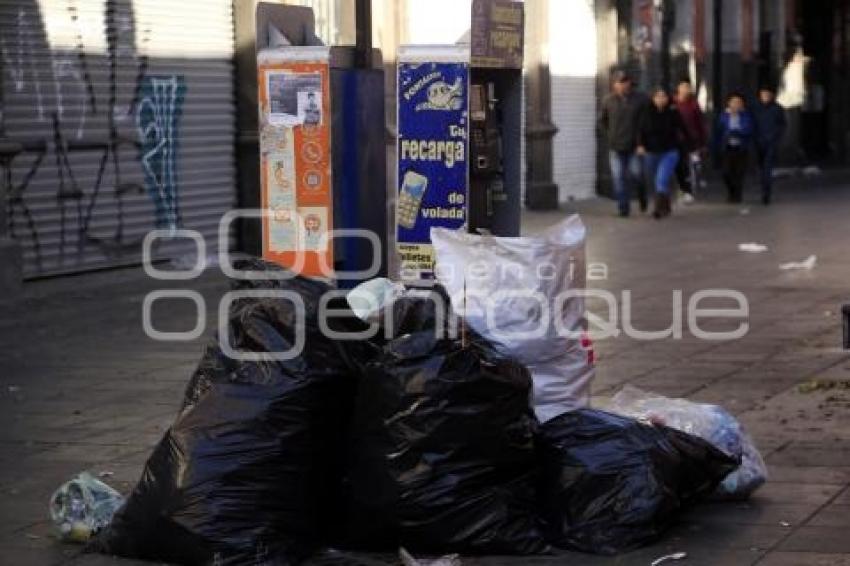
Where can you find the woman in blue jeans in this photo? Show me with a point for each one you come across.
(659, 137)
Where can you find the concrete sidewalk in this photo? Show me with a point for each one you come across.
(84, 388)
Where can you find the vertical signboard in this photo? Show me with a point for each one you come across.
(295, 173)
(497, 34)
(432, 151)
(643, 26)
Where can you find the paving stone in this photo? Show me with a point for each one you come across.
(796, 455)
(801, 493)
(832, 516)
(843, 498)
(810, 474)
(828, 540)
(805, 559)
(728, 535)
(756, 512)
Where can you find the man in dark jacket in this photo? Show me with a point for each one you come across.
(770, 127)
(661, 136)
(618, 120)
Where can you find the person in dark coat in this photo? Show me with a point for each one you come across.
(618, 121)
(692, 146)
(733, 136)
(770, 128)
(659, 137)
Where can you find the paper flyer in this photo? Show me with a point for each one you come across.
(296, 163)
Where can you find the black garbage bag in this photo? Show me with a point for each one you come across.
(609, 484)
(250, 472)
(442, 454)
(421, 310)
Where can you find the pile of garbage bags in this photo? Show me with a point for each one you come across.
(399, 430)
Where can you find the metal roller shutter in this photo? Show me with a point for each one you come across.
(572, 63)
(124, 110)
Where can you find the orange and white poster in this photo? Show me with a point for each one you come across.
(294, 97)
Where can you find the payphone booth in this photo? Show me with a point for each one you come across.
(323, 160)
(460, 135)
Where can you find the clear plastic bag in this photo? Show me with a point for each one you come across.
(408, 559)
(83, 506)
(369, 299)
(709, 422)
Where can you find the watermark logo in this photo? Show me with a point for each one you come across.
(509, 314)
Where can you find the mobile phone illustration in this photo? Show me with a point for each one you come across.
(410, 199)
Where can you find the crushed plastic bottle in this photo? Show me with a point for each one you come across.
(408, 559)
(83, 506)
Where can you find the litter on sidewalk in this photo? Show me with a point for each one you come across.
(813, 385)
(418, 438)
(590, 459)
(752, 247)
(369, 300)
(669, 558)
(709, 422)
(82, 507)
(408, 560)
(806, 264)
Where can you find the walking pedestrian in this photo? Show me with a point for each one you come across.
(693, 146)
(770, 128)
(733, 136)
(659, 137)
(618, 121)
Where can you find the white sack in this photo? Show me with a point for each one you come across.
(516, 293)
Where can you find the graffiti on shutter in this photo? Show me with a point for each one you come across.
(82, 107)
(157, 120)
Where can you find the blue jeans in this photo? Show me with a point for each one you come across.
(661, 168)
(626, 173)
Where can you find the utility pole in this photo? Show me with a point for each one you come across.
(541, 192)
(717, 60)
(363, 35)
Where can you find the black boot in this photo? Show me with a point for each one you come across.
(658, 212)
(662, 207)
